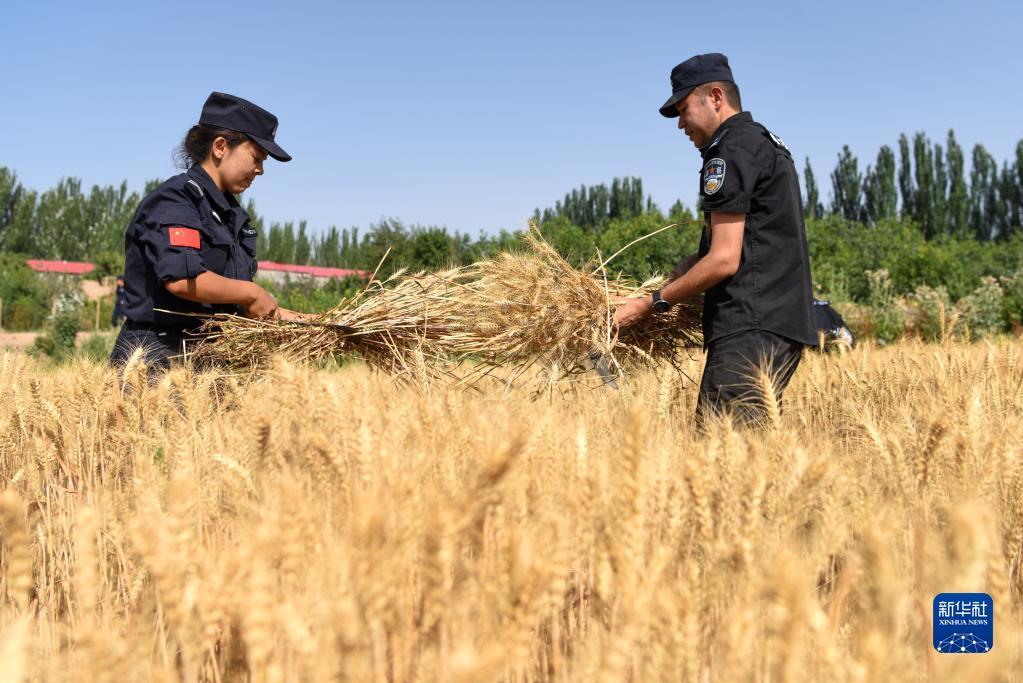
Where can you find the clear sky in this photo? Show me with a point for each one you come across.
(472, 114)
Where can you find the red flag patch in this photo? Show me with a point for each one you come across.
(180, 236)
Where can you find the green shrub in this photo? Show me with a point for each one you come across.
(97, 347)
(932, 312)
(981, 312)
(1012, 288)
(26, 296)
(886, 311)
(58, 341)
(306, 295)
(88, 314)
(25, 313)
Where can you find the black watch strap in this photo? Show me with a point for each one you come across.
(660, 305)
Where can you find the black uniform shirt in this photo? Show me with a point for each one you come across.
(184, 227)
(748, 170)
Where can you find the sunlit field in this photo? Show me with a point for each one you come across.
(322, 525)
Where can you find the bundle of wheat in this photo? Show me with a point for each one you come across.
(523, 309)
(390, 325)
(517, 311)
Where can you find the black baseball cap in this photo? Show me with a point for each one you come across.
(234, 113)
(693, 72)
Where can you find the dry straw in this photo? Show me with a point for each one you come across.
(522, 310)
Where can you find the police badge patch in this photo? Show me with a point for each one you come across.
(713, 175)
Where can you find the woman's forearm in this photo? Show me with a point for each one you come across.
(210, 288)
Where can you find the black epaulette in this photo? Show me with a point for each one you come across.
(776, 141)
(193, 188)
(715, 142)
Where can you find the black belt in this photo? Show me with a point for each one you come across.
(160, 329)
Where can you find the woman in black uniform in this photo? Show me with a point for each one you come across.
(190, 247)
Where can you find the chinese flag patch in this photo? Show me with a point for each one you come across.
(180, 236)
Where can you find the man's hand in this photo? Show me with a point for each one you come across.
(630, 311)
(285, 314)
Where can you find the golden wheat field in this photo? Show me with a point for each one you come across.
(313, 525)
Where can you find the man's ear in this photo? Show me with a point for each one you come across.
(718, 96)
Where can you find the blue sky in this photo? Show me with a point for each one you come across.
(472, 114)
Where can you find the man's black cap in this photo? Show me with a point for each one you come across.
(693, 72)
(234, 113)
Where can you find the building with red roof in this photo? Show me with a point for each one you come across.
(279, 272)
(275, 272)
(60, 267)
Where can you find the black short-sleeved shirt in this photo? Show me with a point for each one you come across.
(184, 227)
(749, 170)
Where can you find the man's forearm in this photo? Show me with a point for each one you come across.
(210, 288)
(683, 267)
(703, 275)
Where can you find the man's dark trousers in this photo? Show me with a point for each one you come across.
(729, 381)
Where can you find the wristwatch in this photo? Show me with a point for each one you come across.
(660, 305)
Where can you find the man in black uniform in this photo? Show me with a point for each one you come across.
(752, 266)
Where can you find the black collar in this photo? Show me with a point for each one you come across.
(730, 122)
(199, 174)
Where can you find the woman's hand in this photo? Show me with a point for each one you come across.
(260, 304)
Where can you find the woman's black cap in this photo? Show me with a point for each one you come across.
(234, 113)
(694, 72)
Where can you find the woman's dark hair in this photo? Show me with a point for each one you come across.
(199, 141)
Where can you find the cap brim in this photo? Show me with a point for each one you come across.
(668, 109)
(271, 147)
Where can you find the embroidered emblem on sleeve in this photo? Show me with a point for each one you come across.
(180, 236)
(713, 175)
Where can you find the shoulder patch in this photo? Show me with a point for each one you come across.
(713, 175)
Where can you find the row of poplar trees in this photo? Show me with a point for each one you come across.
(923, 182)
(927, 185)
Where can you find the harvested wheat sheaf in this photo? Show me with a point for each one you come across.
(521, 310)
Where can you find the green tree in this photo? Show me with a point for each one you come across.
(10, 193)
(1009, 199)
(655, 255)
(288, 243)
(679, 213)
(432, 249)
(275, 243)
(303, 247)
(923, 166)
(846, 185)
(881, 197)
(930, 197)
(570, 240)
(813, 207)
(906, 187)
(17, 208)
(328, 249)
(984, 214)
(958, 205)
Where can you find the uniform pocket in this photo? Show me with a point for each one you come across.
(248, 253)
(216, 247)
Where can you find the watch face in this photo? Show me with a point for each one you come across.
(662, 306)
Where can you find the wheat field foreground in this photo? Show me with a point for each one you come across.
(317, 525)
